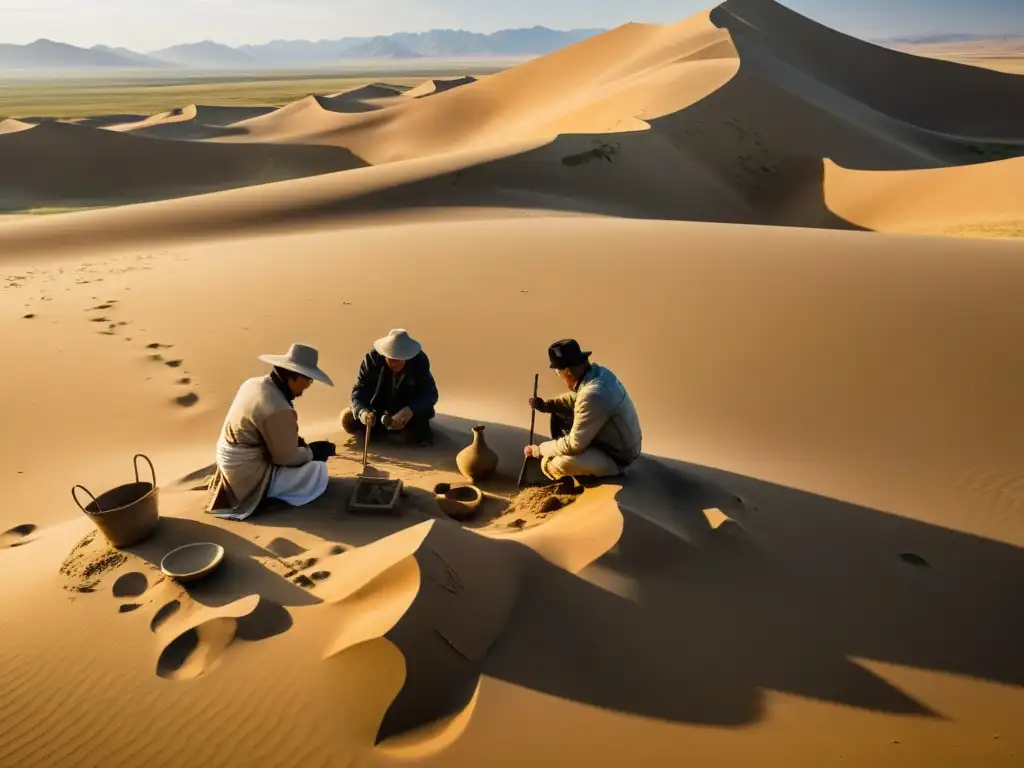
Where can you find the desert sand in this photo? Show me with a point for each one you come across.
(747, 216)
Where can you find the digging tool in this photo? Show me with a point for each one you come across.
(366, 449)
(533, 423)
(374, 494)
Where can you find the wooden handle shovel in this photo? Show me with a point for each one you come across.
(533, 422)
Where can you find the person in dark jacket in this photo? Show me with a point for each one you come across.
(394, 390)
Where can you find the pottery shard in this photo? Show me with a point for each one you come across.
(477, 461)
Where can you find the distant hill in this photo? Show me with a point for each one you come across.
(381, 48)
(49, 55)
(140, 59)
(438, 43)
(44, 55)
(206, 55)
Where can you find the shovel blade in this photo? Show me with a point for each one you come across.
(531, 474)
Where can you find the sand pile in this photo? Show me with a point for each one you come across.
(532, 506)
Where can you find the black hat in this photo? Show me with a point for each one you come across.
(566, 354)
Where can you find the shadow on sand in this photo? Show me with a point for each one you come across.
(791, 594)
(240, 574)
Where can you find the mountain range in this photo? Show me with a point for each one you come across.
(43, 55)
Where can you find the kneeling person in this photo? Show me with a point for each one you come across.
(260, 453)
(394, 390)
(595, 429)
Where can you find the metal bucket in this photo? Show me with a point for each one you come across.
(127, 514)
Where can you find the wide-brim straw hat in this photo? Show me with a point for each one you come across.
(398, 345)
(300, 359)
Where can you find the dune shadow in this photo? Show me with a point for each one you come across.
(754, 150)
(795, 593)
(791, 595)
(58, 165)
(790, 592)
(238, 576)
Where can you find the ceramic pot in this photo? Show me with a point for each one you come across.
(459, 502)
(477, 461)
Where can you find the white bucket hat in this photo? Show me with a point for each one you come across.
(300, 359)
(398, 345)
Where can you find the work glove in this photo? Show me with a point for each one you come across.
(323, 450)
(538, 404)
(368, 417)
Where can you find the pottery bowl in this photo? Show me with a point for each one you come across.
(193, 561)
(459, 502)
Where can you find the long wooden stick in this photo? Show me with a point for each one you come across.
(533, 423)
(366, 447)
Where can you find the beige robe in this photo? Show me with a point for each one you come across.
(261, 431)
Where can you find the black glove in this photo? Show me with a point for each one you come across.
(323, 449)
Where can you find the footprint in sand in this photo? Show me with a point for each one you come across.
(187, 401)
(198, 649)
(174, 363)
(285, 548)
(320, 575)
(132, 584)
(17, 536)
(27, 317)
(184, 381)
(158, 345)
(99, 320)
(165, 613)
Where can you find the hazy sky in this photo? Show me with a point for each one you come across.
(151, 24)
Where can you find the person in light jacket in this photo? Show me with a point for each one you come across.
(260, 454)
(595, 429)
(394, 390)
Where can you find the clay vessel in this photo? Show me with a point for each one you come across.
(192, 561)
(477, 461)
(459, 502)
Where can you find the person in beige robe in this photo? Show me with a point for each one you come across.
(260, 454)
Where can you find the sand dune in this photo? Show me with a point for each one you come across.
(194, 122)
(433, 87)
(731, 116)
(817, 560)
(10, 125)
(942, 200)
(57, 163)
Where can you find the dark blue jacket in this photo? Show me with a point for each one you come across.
(374, 383)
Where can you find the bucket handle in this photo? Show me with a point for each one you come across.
(74, 496)
(135, 462)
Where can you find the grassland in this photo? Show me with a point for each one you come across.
(1004, 55)
(88, 97)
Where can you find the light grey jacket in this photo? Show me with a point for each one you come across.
(603, 416)
(261, 431)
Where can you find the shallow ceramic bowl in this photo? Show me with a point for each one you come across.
(193, 561)
(459, 502)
